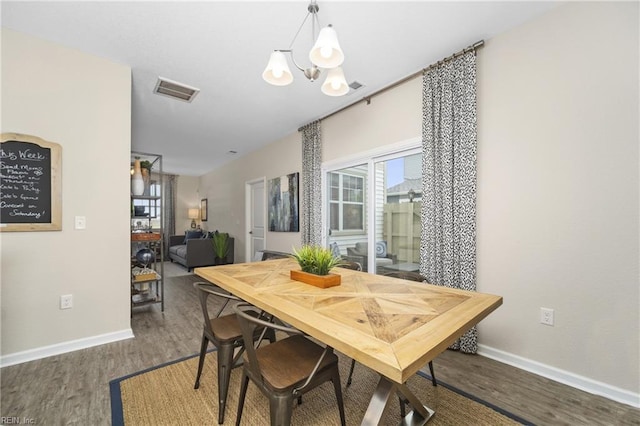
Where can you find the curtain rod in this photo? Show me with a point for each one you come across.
(474, 46)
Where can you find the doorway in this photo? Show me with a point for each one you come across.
(256, 218)
(373, 206)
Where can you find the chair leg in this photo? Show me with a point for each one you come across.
(225, 365)
(280, 409)
(433, 375)
(353, 364)
(203, 353)
(243, 393)
(338, 389)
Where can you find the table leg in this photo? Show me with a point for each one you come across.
(420, 414)
(378, 405)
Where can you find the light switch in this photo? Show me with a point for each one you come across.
(81, 222)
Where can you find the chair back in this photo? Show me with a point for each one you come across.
(205, 290)
(407, 275)
(251, 320)
(356, 266)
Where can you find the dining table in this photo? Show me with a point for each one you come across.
(391, 325)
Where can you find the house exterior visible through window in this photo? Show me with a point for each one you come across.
(346, 202)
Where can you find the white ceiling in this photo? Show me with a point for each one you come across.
(222, 49)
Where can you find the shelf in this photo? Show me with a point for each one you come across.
(145, 298)
(145, 197)
(147, 209)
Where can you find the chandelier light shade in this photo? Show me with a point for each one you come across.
(277, 71)
(335, 84)
(325, 54)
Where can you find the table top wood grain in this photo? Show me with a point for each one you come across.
(390, 325)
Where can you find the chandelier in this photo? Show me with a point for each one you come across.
(325, 53)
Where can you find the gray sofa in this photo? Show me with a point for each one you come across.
(195, 249)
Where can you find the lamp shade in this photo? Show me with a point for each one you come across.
(326, 53)
(335, 84)
(277, 71)
(194, 213)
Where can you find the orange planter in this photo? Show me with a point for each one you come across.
(322, 281)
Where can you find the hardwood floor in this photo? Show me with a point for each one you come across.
(73, 388)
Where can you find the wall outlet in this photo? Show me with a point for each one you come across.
(66, 301)
(546, 316)
(80, 222)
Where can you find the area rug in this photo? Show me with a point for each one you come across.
(164, 395)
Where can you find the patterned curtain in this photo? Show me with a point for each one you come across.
(311, 209)
(169, 208)
(448, 238)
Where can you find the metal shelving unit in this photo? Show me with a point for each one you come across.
(147, 234)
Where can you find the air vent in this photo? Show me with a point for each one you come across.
(175, 90)
(355, 85)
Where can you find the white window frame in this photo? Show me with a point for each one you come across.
(341, 203)
(387, 152)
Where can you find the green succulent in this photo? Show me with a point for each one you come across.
(315, 259)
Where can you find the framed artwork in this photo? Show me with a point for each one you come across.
(203, 210)
(283, 203)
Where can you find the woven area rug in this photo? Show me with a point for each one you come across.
(164, 395)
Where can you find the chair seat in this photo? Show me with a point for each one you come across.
(301, 355)
(226, 328)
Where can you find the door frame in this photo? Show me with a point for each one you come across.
(248, 203)
(369, 157)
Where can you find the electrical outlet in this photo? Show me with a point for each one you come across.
(546, 316)
(80, 222)
(66, 301)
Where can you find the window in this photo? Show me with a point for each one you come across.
(346, 202)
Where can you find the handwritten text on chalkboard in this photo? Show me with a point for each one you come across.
(25, 183)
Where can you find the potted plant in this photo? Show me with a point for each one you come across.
(220, 241)
(315, 264)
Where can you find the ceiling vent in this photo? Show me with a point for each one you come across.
(175, 90)
(355, 85)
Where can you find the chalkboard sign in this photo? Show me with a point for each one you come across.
(30, 184)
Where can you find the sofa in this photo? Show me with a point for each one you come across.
(195, 249)
(359, 254)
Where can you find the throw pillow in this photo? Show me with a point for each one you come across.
(188, 235)
(335, 250)
(381, 249)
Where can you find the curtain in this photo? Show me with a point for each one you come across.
(311, 220)
(169, 183)
(448, 237)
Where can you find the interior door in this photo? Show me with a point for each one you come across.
(256, 210)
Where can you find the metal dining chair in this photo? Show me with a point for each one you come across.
(347, 264)
(286, 369)
(225, 334)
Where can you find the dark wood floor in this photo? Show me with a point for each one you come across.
(73, 388)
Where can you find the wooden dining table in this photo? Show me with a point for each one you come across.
(390, 325)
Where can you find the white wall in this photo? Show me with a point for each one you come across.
(82, 103)
(187, 198)
(225, 190)
(557, 189)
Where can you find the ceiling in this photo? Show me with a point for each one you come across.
(222, 48)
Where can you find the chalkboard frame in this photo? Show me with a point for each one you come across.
(56, 185)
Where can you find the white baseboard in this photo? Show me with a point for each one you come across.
(61, 348)
(562, 376)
